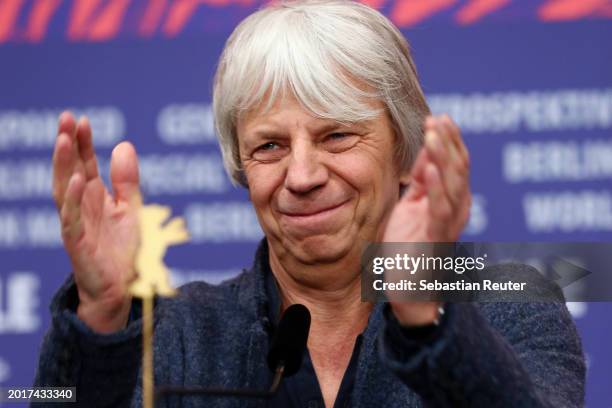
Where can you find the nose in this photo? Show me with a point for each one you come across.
(305, 171)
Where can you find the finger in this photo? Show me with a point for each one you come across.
(124, 174)
(447, 132)
(86, 148)
(459, 169)
(417, 176)
(452, 172)
(455, 133)
(455, 176)
(66, 123)
(418, 168)
(63, 163)
(442, 130)
(439, 206)
(64, 157)
(70, 216)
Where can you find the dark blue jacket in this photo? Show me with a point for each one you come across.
(483, 354)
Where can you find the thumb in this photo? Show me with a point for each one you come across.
(124, 174)
(416, 187)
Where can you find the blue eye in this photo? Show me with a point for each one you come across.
(339, 142)
(268, 146)
(269, 152)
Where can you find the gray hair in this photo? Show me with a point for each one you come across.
(333, 56)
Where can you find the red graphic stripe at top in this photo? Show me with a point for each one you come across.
(606, 11)
(407, 13)
(91, 20)
(374, 3)
(477, 9)
(182, 10)
(9, 12)
(152, 17)
(40, 16)
(109, 22)
(80, 16)
(565, 10)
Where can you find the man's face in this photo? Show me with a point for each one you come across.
(320, 188)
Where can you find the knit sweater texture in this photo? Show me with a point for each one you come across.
(485, 354)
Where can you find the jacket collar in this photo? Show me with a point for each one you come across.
(372, 376)
(253, 296)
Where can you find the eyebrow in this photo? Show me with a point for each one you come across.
(254, 138)
(266, 134)
(271, 131)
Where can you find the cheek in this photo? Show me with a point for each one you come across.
(375, 182)
(263, 180)
(365, 171)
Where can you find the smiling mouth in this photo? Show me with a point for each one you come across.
(314, 213)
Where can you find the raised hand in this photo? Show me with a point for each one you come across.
(99, 229)
(436, 206)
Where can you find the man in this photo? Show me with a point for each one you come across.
(320, 115)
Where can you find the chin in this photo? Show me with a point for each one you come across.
(318, 249)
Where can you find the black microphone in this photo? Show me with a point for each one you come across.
(289, 343)
(284, 357)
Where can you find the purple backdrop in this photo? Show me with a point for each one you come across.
(529, 82)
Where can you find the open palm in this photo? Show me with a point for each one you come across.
(99, 229)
